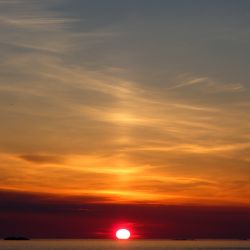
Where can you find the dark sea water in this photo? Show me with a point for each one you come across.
(123, 245)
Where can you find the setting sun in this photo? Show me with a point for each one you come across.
(123, 234)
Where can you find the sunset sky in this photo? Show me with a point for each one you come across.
(132, 103)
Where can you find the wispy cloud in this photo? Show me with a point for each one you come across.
(42, 158)
(191, 82)
(207, 84)
(35, 22)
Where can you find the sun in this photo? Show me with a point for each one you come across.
(123, 234)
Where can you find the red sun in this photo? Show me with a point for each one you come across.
(123, 234)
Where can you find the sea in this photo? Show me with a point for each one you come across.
(125, 245)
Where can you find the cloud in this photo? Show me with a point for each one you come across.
(116, 179)
(191, 82)
(40, 216)
(207, 84)
(35, 22)
(40, 159)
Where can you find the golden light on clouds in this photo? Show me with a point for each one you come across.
(85, 113)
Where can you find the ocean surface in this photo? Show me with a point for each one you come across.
(123, 245)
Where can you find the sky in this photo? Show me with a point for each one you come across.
(121, 106)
